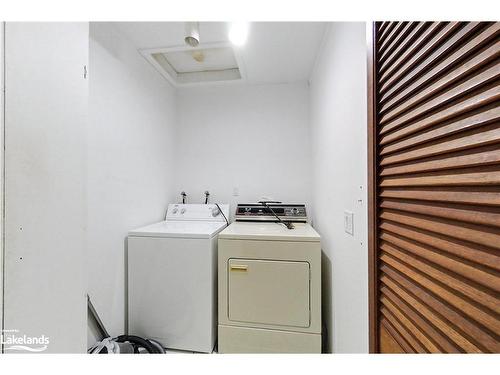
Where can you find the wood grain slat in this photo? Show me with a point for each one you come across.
(397, 339)
(442, 85)
(438, 342)
(382, 26)
(475, 294)
(472, 139)
(424, 45)
(469, 121)
(450, 339)
(456, 58)
(388, 344)
(459, 230)
(391, 37)
(486, 196)
(458, 302)
(463, 159)
(481, 255)
(404, 29)
(468, 335)
(388, 59)
(465, 178)
(449, 38)
(418, 334)
(491, 95)
(465, 270)
(403, 331)
(484, 216)
(383, 35)
(407, 112)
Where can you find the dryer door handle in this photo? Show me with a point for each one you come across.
(239, 267)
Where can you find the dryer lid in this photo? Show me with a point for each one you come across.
(269, 232)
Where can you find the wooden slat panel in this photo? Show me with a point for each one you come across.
(382, 26)
(419, 336)
(482, 255)
(404, 347)
(411, 50)
(402, 331)
(459, 230)
(466, 270)
(435, 191)
(388, 344)
(458, 142)
(469, 121)
(459, 303)
(393, 119)
(460, 107)
(404, 29)
(438, 342)
(386, 31)
(461, 159)
(410, 104)
(462, 178)
(391, 37)
(429, 40)
(477, 295)
(455, 58)
(475, 337)
(450, 339)
(486, 216)
(487, 196)
(447, 39)
(388, 59)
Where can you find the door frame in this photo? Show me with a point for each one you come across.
(373, 330)
(2, 172)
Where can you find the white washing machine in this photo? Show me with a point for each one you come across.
(269, 282)
(172, 277)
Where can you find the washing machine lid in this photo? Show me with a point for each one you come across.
(179, 229)
(269, 232)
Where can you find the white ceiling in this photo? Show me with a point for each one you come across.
(275, 52)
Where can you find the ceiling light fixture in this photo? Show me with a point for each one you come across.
(192, 37)
(238, 33)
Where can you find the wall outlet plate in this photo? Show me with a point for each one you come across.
(349, 222)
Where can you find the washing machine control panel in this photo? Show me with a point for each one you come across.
(269, 211)
(202, 212)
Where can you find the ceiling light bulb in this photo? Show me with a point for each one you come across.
(192, 35)
(238, 33)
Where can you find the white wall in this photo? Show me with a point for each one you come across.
(338, 142)
(130, 136)
(253, 138)
(45, 193)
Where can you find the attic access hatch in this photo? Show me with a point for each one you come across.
(185, 65)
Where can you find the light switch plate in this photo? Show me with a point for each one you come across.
(349, 222)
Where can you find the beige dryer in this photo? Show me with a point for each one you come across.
(269, 288)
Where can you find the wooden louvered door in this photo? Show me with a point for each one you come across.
(434, 158)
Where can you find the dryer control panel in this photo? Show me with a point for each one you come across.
(269, 211)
